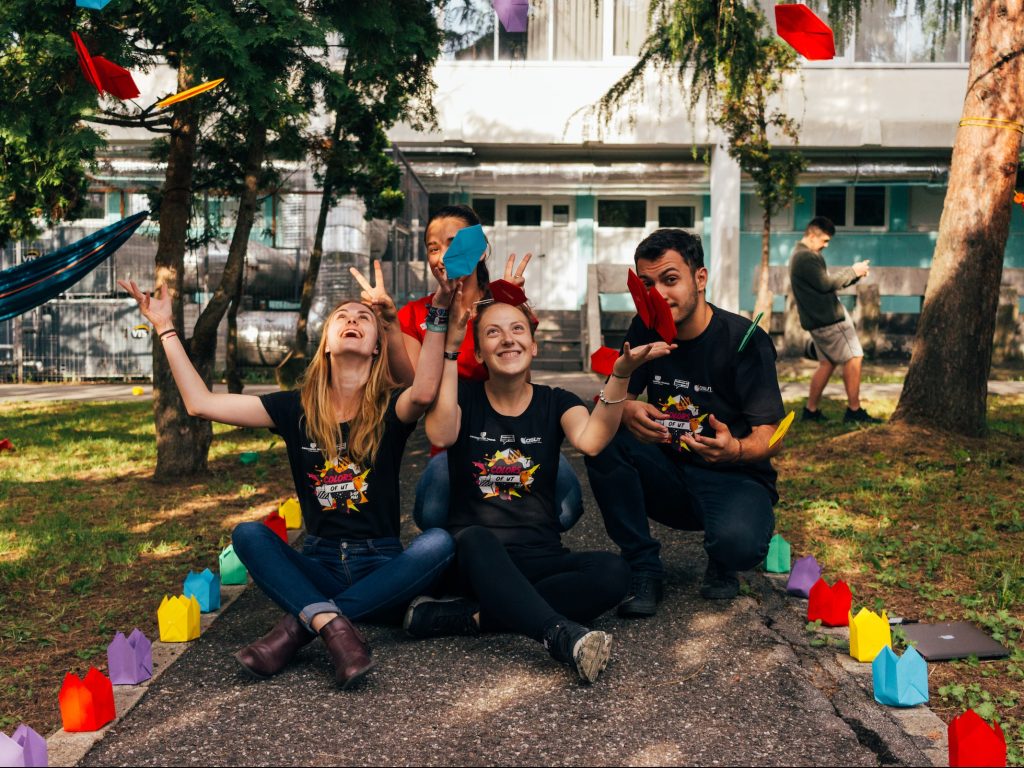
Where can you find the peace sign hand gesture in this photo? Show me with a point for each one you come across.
(375, 295)
(514, 275)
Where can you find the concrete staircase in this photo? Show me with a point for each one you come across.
(558, 341)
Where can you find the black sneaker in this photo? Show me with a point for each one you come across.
(642, 600)
(809, 415)
(860, 416)
(586, 650)
(719, 584)
(430, 617)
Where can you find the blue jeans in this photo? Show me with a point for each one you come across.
(368, 579)
(634, 481)
(430, 510)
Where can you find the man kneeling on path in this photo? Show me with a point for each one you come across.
(695, 456)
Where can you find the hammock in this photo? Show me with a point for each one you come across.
(35, 282)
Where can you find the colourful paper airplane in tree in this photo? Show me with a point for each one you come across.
(830, 605)
(86, 704)
(106, 76)
(869, 634)
(810, 36)
(972, 741)
(902, 681)
(189, 93)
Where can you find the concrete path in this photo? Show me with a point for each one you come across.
(701, 683)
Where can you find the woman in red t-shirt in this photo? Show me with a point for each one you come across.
(430, 509)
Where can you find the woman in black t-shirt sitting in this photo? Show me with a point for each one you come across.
(503, 437)
(345, 431)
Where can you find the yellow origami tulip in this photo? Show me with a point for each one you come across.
(179, 619)
(869, 634)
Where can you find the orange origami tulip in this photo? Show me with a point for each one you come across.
(87, 704)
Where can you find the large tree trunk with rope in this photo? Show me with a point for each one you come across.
(946, 385)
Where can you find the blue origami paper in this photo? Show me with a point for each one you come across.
(205, 587)
(900, 682)
(130, 659)
(96, 5)
(464, 253)
(806, 572)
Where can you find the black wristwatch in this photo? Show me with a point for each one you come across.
(451, 355)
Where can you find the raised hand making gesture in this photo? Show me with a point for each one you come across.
(376, 296)
(514, 274)
(156, 307)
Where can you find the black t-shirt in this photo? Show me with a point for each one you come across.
(707, 375)
(503, 468)
(342, 500)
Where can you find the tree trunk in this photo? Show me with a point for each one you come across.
(181, 441)
(292, 367)
(234, 378)
(946, 385)
(764, 291)
(204, 341)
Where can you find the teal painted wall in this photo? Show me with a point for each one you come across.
(586, 212)
(896, 248)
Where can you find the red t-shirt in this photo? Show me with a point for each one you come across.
(413, 319)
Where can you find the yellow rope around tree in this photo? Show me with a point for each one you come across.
(993, 122)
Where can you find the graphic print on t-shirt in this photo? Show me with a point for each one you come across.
(342, 481)
(505, 474)
(684, 418)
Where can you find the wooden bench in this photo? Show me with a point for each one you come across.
(867, 314)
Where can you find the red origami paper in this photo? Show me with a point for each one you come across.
(810, 36)
(6, 445)
(277, 524)
(86, 705)
(830, 604)
(972, 741)
(507, 293)
(654, 311)
(603, 360)
(105, 75)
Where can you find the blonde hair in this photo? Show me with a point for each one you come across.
(367, 427)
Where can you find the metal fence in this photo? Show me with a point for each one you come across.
(94, 331)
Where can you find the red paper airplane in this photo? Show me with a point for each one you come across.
(507, 293)
(830, 604)
(603, 360)
(654, 311)
(277, 524)
(105, 75)
(972, 741)
(810, 36)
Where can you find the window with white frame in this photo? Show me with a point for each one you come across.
(864, 207)
(556, 30)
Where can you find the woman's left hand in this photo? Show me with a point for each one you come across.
(375, 295)
(631, 359)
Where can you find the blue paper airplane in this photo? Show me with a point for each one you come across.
(464, 253)
(900, 682)
(96, 5)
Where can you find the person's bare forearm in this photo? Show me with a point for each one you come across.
(605, 419)
(442, 422)
(402, 369)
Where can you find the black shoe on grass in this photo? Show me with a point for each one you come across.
(809, 415)
(431, 617)
(860, 416)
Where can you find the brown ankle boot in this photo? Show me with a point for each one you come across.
(348, 649)
(272, 652)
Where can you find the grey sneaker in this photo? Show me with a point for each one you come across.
(584, 649)
(432, 617)
(719, 583)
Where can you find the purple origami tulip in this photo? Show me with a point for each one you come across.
(33, 747)
(512, 14)
(805, 573)
(11, 752)
(130, 660)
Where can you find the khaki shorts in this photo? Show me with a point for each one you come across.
(838, 342)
